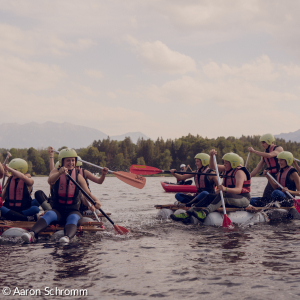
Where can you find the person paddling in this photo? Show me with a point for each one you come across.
(288, 178)
(18, 204)
(269, 157)
(66, 199)
(205, 185)
(236, 187)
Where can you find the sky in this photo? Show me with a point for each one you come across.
(166, 68)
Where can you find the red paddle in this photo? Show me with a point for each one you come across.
(146, 170)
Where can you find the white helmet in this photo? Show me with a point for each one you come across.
(182, 166)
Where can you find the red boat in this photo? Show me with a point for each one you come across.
(177, 188)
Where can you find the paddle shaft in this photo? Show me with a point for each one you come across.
(219, 182)
(279, 185)
(94, 212)
(88, 163)
(90, 199)
(5, 161)
(247, 159)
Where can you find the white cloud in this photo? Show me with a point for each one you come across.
(229, 86)
(29, 75)
(94, 73)
(159, 57)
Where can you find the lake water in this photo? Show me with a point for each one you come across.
(159, 259)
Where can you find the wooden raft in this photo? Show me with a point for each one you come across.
(85, 226)
(220, 209)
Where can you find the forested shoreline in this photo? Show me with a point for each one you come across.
(120, 155)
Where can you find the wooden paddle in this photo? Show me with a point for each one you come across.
(226, 221)
(5, 161)
(118, 229)
(296, 201)
(131, 179)
(146, 170)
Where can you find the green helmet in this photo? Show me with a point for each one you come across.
(242, 161)
(268, 138)
(233, 158)
(65, 153)
(288, 156)
(19, 164)
(204, 158)
(56, 165)
(79, 163)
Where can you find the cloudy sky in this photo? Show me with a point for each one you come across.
(163, 67)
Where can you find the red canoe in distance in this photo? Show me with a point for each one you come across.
(175, 188)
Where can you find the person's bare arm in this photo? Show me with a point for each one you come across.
(26, 178)
(51, 157)
(296, 166)
(55, 174)
(294, 177)
(267, 155)
(1, 171)
(95, 179)
(213, 152)
(84, 186)
(258, 168)
(273, 184)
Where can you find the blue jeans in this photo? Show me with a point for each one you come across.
(183, 198)
(281, 197)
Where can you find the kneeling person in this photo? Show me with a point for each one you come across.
(288, 178)
(18, 204)
(235, 187)
(66, 199)
(205, 185)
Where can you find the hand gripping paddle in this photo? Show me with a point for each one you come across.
(118, 229)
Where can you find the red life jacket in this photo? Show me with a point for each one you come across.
(66, 195)
(283, 177)
(18, 197)
(230, 181)
(272, 163)
(203, 183)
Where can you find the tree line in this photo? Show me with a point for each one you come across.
(162, 154)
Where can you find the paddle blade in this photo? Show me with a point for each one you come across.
(144, 170)
(131, 179)
(120, 229)
(297, 205)
(227, 222)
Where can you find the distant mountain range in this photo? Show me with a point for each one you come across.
(55, 135)
(291, 136)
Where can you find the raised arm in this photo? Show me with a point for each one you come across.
(213, 152)
(26, 178)
(267, 155)
(51, 158)
(296, 166)
(95, 179)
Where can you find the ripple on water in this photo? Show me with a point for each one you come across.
(160, 259)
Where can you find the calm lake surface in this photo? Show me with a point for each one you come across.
(159, 259)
